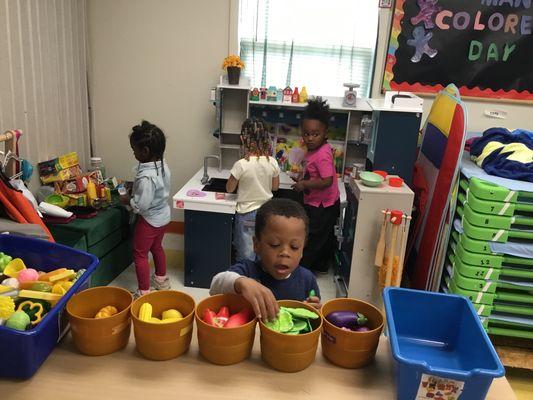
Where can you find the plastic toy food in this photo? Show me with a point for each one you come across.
(14, 267)
(12, 282)
(32, 294)
(106, 311)
(292, 321)
(19, 321)
(46, 277)
(27, 275)
(4, 260)
(223, 319)
(33, 309)
(348, 319)
(167, 316)
(7, 307)
(145, 312)
(61, 287)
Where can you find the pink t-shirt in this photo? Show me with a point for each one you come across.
(319, 164)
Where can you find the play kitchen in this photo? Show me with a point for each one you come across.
(367, 133)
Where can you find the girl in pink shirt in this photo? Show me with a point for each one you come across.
(320, 188)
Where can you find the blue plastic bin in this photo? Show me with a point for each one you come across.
(24, 352)
(437, 337)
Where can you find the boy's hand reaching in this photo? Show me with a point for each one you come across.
(314, 301)
(299, 186)
(262, 299)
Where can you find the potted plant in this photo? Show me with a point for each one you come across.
(233, 65)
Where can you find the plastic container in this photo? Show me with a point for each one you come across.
(371, 179)
(438, 342)
(290, 353)
(163, 341)
(24, 352)
(395, 181)
(96, 164)
(381, 173)
(224, 346)
(351, 349)
(97, 337)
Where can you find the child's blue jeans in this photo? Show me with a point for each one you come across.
(243, 234)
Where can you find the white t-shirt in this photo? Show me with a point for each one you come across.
(255, 181)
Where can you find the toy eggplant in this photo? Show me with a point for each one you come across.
(347, 319)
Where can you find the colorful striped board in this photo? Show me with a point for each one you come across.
(438, 164)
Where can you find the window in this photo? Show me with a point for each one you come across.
(311, 43)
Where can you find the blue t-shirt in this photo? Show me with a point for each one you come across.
(296, 287)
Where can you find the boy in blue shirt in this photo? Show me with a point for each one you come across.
(280, 232)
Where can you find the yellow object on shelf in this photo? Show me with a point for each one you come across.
(106, 311)
(68, 160)
(14, 267)
(91, 191)
(7, 307)
(145, 312)
(33, 294)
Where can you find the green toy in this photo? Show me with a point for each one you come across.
(19, 321)
(4, 260)
(292, 321)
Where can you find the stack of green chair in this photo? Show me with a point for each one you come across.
(499, 285)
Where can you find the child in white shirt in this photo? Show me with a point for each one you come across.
(254, 176)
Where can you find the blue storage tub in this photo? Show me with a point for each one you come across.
(439, 345)
(23, 352)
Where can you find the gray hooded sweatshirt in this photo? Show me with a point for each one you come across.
(151, 189)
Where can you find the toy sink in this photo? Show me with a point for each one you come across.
(216, 185)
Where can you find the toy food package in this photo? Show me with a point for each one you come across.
(77, 184)
(59, 169)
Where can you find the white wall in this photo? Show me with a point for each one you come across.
(517, 114)
(156, 60)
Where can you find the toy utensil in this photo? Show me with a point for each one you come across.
(396, 220)
(403, 241)
(380, 248)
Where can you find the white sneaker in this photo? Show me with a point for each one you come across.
(158, 285)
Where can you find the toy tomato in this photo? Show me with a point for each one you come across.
(241, 318)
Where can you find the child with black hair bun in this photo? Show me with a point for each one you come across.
(254, 176)
(149, 200)
(320, 188)
(280, 230)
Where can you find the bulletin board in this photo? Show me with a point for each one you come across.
(484, 47)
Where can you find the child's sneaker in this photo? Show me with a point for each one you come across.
(160, 282)
(138, 293)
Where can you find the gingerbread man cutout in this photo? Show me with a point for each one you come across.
(420, 42)
(427, 9)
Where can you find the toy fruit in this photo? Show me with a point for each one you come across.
(4, 260)
(145, 312)
(67, 274)
(19, 321)
(171, 314)
(106, 311)
(223, 315)
(14, 267)
(28, 275)
(347, 319)
(210, 318)
(7, 307)
(61, 287)
(11, 282)
(34, 310)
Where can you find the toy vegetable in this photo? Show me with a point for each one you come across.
(242, 317)
(7, 307)
(292, 321)
(210, 318)
(33, 309)
(4, 260)
(19, 321)
(347, 319)
(106, 311)
(145, 312)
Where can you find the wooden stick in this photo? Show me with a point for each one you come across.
(403, 240)
(380, 248)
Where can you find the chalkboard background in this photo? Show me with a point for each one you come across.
(512, 79)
